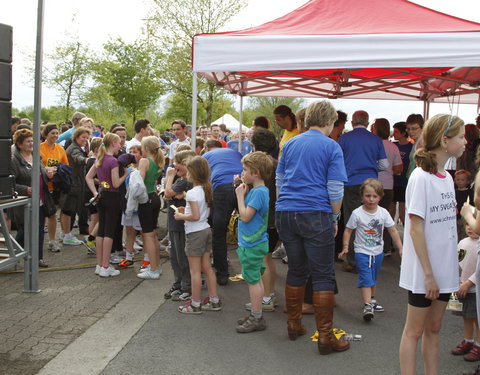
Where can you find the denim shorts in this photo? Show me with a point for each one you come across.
(368, 267)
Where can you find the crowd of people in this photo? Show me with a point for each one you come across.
(319, 194)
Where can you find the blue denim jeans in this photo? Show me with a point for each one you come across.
(310, 245)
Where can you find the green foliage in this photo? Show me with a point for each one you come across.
(177, 106)
(130, 74)
(175, 22)
(67, 72)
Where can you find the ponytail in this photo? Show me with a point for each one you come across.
(151, 144)
(102, 151)
(426, 160)
(108, 140)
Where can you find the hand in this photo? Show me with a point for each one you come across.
(431, 288)
(49, 172)
(462, 292)
(171, 172)
(343, 254)
(181, 209)
(241, 190)
(335, 228)
(466, 210)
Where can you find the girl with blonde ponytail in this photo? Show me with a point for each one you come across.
(429, 264)
(150, 167)
(106, 169)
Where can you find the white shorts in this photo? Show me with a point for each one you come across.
(131, 221)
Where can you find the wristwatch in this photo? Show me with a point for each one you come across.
(335, 217)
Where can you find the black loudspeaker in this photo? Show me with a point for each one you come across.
(5, 81)
(6, 33)
(7, 187)
(5, 157)
(5, 119)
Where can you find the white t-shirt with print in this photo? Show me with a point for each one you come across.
(132, 142)
(197, 195)
(173, 147)
(369, 229)
(433, 199)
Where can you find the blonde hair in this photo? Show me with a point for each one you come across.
(95, 143)
(183, 147)
(374, 184)
(136, 147)
(259, 162)
(433, 132)
(83, 120)
(182, 157)
(79, 131)
(108, 140)
(320, 114)
(199, 172)
(152, 145)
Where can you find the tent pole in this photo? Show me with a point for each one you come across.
(31, 266)
(193, 141)
(426, 109)
(240, 127)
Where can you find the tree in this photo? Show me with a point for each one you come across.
(130, 74)
(70, 68)
(175, 22)
(264, 106)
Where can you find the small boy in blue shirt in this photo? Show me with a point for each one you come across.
(253, 204)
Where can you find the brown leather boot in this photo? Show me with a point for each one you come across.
(293, 303)
(323, 303)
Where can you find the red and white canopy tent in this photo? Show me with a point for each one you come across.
(373, 49)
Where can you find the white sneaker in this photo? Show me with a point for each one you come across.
(60, 236)
(53, 246)
(115, 259)
(149, 274)
(71, 240)
(107, 272)
(97, 269)
(144, 269)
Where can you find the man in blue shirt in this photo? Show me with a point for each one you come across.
(364, 156)
(224, 164)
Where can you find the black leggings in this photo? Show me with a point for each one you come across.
(148, 213)
(109, 214)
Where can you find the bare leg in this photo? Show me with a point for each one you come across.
(99, 250)
(366, 294)
(65, 221)
(52, 227)
(269, 275)
(469, 328)
(431, 337)
(107, 250)
(256, 294)
(209, 275)
(130, 239)
(92, 226)
(195, 264)
(152, 247)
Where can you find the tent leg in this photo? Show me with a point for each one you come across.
(426, 109)
(194, 110)
(240, 126)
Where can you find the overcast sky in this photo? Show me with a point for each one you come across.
(98, 20)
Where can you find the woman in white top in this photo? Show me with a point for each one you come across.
(429, 264)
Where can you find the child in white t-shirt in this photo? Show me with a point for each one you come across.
(198, 234)
(468, 250)
(369, 220)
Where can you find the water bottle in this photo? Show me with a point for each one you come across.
(351, 337)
